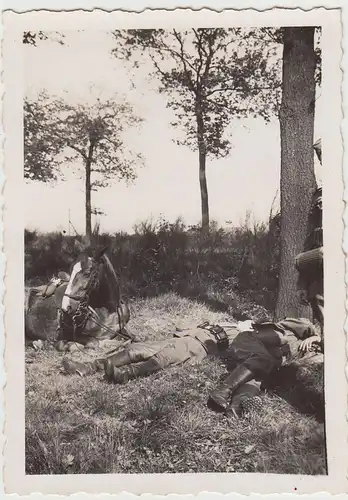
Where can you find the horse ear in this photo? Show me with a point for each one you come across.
(99, 253)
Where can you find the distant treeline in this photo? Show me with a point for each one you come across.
(229, 268)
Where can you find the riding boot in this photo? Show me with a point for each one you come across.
(82, 369)
(219, 398)
(120, 358)
(245, 400)
(121, 375)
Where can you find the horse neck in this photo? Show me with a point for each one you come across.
(108, 293)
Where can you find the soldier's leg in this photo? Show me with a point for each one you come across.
(132, 354)
(252, 359)
(88, 368)
(135, 353)
(120, 375)
(146, 359)
(120, 358)
(219, 398)
(245, 399)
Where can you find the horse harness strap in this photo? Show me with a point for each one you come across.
(84, 312)
(107, 328)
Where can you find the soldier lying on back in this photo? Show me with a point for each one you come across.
(251, 355)
(254, 355)
(143, 358)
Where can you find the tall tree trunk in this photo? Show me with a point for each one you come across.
(88, 205)
(202, 170)
(297, 181)
(204, 192)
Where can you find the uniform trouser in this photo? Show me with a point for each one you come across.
(248, 350)
(149, 357)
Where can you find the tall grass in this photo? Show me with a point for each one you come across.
(229, 265)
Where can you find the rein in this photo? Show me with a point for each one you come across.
(107, 328)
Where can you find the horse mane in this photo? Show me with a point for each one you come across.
(107, 293)
(113, 283)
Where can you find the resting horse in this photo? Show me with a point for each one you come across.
(89, 305)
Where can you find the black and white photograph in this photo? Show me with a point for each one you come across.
(173, 205)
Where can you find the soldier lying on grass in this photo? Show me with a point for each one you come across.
(253, 356)
(143, 358)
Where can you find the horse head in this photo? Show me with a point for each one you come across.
(85, 278)
(93, 284)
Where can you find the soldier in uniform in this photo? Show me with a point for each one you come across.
(250, 351)
(143, 358)
(253, 355)
(310, 262)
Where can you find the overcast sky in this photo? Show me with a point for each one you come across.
(83, 69)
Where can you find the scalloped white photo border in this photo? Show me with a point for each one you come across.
(332, 16)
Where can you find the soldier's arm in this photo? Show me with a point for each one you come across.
(309, 338)
(308, 343)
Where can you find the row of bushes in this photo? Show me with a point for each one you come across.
(163, 256)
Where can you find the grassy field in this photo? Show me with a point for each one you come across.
(161, 423)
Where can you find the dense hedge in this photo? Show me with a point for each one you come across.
(158, 257)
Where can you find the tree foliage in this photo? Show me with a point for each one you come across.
(40, 151)
(57, 132)
(226, 73)
(99, 127)
(52, 126)
(210, 76)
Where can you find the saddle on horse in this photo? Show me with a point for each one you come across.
(41, 307)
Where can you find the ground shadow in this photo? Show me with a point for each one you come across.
(302, 386)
